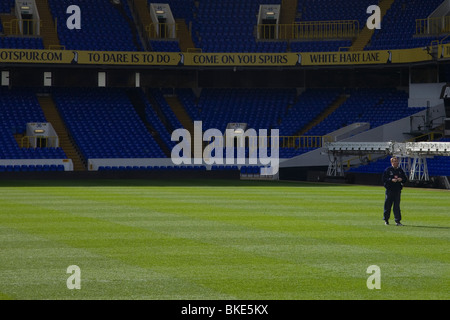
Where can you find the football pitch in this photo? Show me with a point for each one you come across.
(219, 240)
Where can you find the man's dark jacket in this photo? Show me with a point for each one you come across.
(391, 173)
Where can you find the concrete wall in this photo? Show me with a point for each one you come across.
(394, 131)
(422, 93)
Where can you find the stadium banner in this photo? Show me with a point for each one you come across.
(362, 57)
(411, 55)
(240, 59)
(127, 58)
(89, 57)
(34, 56)
(217, 59)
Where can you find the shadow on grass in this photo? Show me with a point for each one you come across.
(161, 182)
(433, 227)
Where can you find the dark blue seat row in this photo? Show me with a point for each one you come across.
(150, 168)
(21, 43)
(32, 168)
(250, 170)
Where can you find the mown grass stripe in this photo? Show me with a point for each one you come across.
(245, 241)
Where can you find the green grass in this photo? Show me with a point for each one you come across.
(219, 240)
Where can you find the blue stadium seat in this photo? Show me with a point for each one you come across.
(119, 134)
(104, 27)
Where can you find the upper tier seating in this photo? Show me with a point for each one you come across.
(329, 10)
(181, 9)
(399, 25)
(21, 43)
(12, 42)
(6, 6)
(165, 45)
(103, 27)
(228, 26)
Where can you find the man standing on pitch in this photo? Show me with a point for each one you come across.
(393, 179)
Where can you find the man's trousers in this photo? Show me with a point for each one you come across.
(392, 199)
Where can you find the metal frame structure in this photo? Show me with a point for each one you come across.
(413, 155)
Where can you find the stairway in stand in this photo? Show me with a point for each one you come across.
(9, 23)
(184, 35)
(49, 33)
(288, 12)
(333, 107)
(52, 116)
(366, 34)
(142, 13)
(181, 114)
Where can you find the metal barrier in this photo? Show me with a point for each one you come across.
(255, 142)
(432, 26)
(310, 30)
(303, 141)
(26, 27)
(30, 27)
(162, 30)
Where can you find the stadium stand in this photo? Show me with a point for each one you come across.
(260, 108)
(21, 43)
(437, 166)
(104, 124)
(183, 9)
(6, 5)
(399, 25)
(376, 106)
(17, 108)
(328, 10)
(14, 41)
(165, 45)
(229, 26)
(105, 26)
(173, 121)
(155, 122)
(308, 106)
(283, 110)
